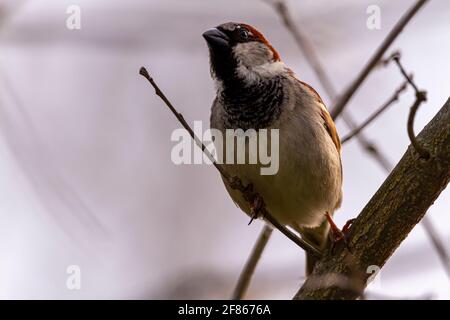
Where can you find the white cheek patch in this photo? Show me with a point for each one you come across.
(270, 69)
(258, 73)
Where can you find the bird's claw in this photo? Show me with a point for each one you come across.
(337, 235)
(256, 208)
(347, 226)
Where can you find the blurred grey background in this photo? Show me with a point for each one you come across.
(85, 172)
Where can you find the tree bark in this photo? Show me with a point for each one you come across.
(387, 219)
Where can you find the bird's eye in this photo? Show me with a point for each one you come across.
(243, 33)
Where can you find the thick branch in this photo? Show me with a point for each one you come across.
(398, 205)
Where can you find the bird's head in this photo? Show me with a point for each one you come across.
(239, 50)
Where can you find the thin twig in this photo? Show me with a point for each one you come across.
(143, 72)
(305, 46)
(247, 191)
(384, 62)
(396, 59)
(374, 60)
(423, 153)
(421, 96)
(370, 147)
(395, 96)
(250, 266)
(440, 248)
(311, 56)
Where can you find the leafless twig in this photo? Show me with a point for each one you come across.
(439, 246)
(305, 46)
(421, 96)
(395, 96)
(374, 60)
(311, 56)
(247, 191)
(250, 266)
(370, 147)
(423, 153)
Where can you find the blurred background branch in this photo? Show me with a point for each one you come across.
(250, 266)
(395, 96)
(375, 59)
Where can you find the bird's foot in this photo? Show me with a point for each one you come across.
(256, 208)
(337, 235)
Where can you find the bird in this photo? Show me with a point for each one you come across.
(256, 90)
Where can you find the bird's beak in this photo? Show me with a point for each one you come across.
(216, 38)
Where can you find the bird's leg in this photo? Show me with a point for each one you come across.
(256, 207)
(337, 235)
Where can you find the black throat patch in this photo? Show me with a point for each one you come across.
(254, 106)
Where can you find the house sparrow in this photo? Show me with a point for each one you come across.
(256, 90)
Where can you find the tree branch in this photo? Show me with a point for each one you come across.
(311, 56)
(305, 46)
(437, 243)
(387, 219)
(252, 262)
(368, 146)
(395, 96)
(375, 59)
(421, 96)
